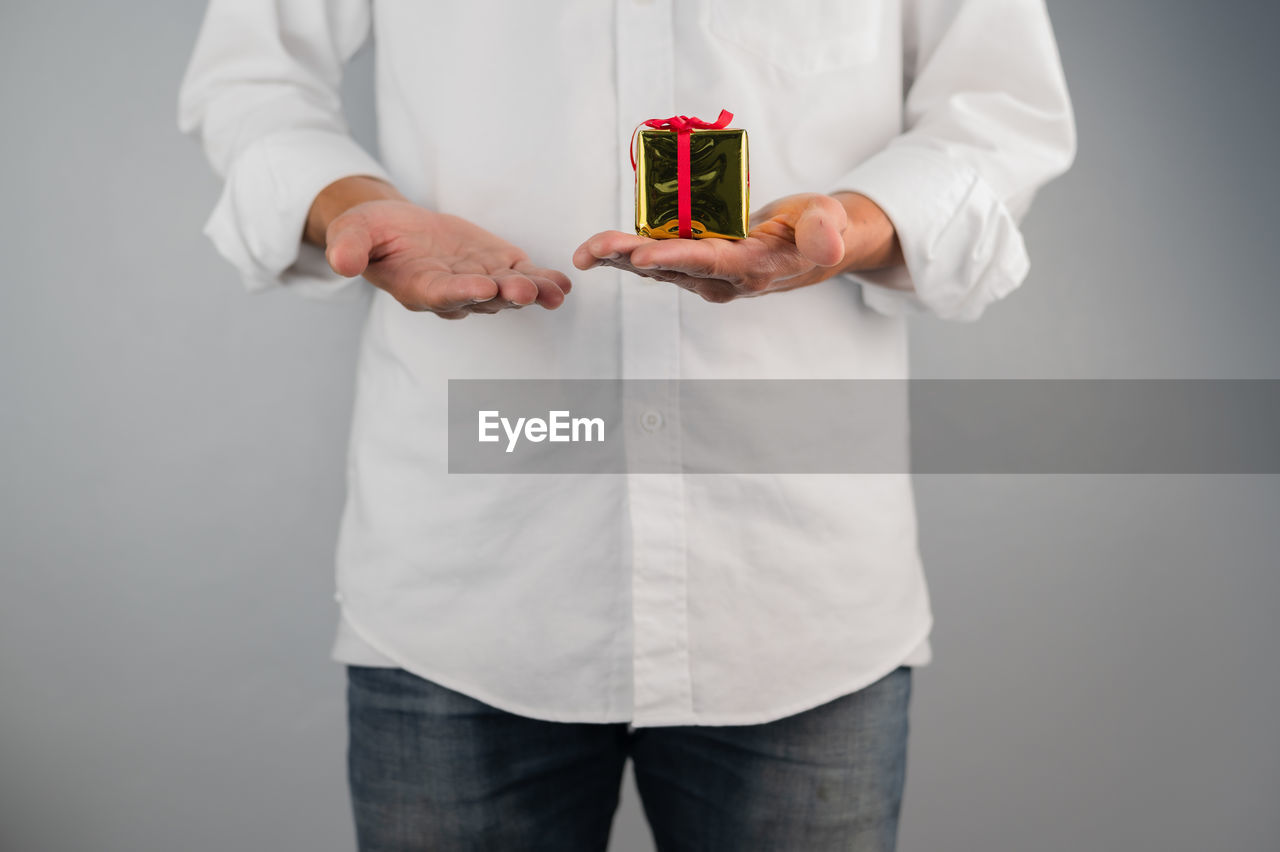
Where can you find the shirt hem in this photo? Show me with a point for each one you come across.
(728, 719)
(483, 695)
(708, 720)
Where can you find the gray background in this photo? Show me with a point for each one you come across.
(1106, 674)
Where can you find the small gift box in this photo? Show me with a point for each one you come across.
(691, 179)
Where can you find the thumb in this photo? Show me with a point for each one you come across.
(820, 231)
(348, 244)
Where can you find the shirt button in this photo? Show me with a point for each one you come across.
(651, 421)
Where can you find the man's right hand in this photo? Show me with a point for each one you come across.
(428, 261)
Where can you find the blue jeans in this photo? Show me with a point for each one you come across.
(432, 769)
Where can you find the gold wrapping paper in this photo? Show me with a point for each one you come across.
(718, 185)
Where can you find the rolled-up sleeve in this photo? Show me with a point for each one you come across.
(262, 94)
(988, 122)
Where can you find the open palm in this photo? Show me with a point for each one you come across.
(434, 262)
(794, 242)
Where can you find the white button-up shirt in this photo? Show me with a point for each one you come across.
(657, 599)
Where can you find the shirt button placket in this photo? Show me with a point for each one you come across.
(650, 319)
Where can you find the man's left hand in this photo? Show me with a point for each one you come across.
(794, 242)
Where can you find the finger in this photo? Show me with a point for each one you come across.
(492, 306)
(550, 296)
(607, 245)
(711, 289)
(561, 280)
(711, 258)
(820, 231)
(762, 215)
(347, 246)
(452, 315)
(444, 291)
(516, 288)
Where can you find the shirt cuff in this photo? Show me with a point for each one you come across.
(258, 221)
(962, 246)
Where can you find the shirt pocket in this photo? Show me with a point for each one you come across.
(802, 37)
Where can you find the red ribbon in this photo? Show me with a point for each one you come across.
(683, 125)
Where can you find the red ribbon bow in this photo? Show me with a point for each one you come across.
(683, 125)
